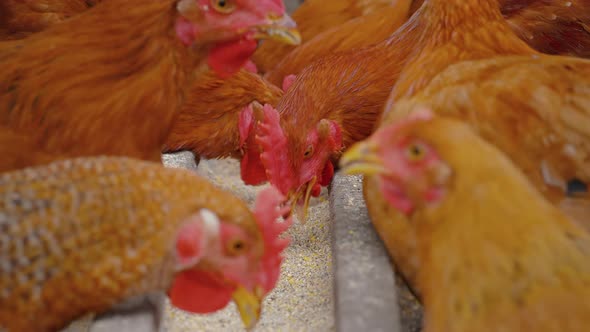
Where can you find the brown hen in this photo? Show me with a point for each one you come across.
(111, 80)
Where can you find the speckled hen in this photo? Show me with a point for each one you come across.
(81, 235)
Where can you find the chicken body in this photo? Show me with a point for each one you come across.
(313, 17)
(517, 103)
(18, 150)
(208, 123)
(97, 111)
(139, 58)
(19, 19)
(354, 34)
(551, 26)
(81, 235)
(487, 252)
(449, 32)
(548, 26)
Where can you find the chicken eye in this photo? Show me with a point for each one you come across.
(308, 152)
(223, 6)
(416, 152)
(236, 247)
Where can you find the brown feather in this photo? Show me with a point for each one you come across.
(208, 121)
(78, 89)
(354, 34)
(314, 17)
(19, 19)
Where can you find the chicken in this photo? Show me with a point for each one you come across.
(348, 90)
(449, 207)
(19, 19)
(314, 17)
(65, 251)
(139, 58)
(216, 120)
(357, 33)
(504, 97)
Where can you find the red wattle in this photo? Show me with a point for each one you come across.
(227, 58)
(198, 293)
(316, 190)
(252, 170)
(327, 174)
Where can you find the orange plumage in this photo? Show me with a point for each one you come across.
(77, 112)
(551, 26)
(208, 123)
(348, 88)
(482, 247)
(81, 235)
(112, 79)
(314, 17)
(354, 34)
(19, 19)
(18, 151)
(516, 103)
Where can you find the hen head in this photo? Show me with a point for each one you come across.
(233, 26)
(219, 260)
(298, 160)
(411, 171)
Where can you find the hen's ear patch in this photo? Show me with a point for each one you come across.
(189, 246)
(330, 129)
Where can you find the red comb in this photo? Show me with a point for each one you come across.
(273, 142)
(267, 211)
(252, 170)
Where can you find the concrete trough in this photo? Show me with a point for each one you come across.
(365, 292)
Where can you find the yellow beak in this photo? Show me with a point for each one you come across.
(305, 193)
(249, 305)
(362, 158)
(282, 29)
